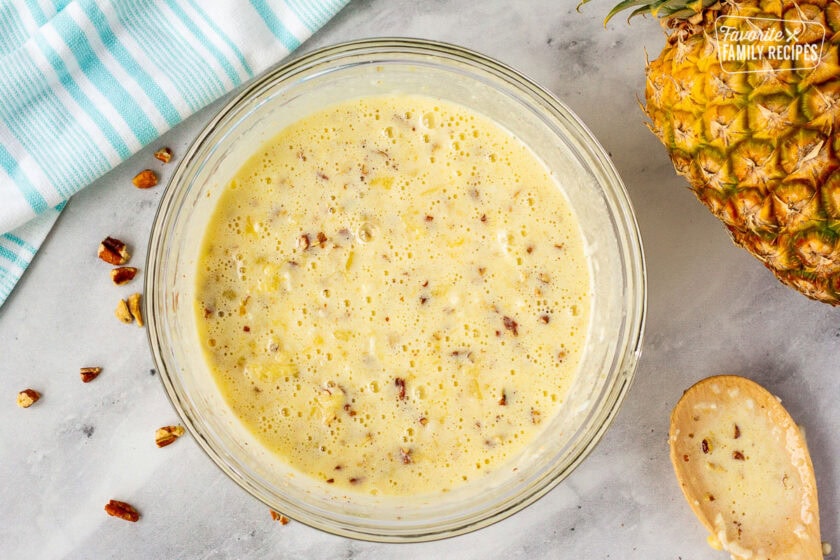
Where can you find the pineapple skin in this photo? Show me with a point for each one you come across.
(759, 144)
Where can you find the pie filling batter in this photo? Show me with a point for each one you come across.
(393, 295)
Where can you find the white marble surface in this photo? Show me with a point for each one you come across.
(712, 309)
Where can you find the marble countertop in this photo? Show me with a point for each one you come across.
(712, 309)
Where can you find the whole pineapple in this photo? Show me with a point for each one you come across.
(758, 138)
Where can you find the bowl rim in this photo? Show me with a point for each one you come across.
(634, 270)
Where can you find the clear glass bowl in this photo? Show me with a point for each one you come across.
(591, 184)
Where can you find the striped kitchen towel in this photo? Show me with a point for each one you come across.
(84, 84)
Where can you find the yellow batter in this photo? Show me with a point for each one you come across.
(393, 295)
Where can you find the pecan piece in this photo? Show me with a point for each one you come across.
(134, 307)
(116, 508)
(123, 313)
(146, 179)
(113, 251)
(405, 456)
(276, 516)
(400, 383)
(164, 155)
(511, 325)
(123, 275)
(27, 398)
(88, 374)
(167, 434)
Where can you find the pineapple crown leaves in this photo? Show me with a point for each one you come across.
(665, 9)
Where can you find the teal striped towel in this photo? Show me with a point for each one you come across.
(84, 84)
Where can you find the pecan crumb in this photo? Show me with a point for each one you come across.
(88, 374)
(423, 420)
(115, 508)
(303, 241)
(276, 516)
(484, 217)
(330, 480)
(113, 251)
(711, 497)
(355, 480)
(123, 275)
(704, 445)
(423, 299)
(545, 319)
(429, 218)
(27, 398)
(134, 308)
(167, 435)
(146, 179)
(737, 432)
(503, 400)
(122, 312)
(405, 455)
(536, 416)
(511, 325)
(737, 455)
(685, 458)
(164, 154)
(529, 249)
(400, 383)
(322, 239)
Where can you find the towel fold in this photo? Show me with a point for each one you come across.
(84, 84)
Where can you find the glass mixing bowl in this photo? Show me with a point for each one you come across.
(591, 184)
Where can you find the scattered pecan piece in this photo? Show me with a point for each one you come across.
(303, 241)
(116, 508)
(164, 155)
(704, 445)
(737, 455)
(737, 433)
(405, 456)
(511, 325)
(167, 434)
(113, 251)
(423, 420)
(123, 275)
(503, 400)
(322, 239)
(122, 312)
(276, 516)
(146, 179)
(88, 374)
(134, 307)
(400, 383)
(27, 398)
(545, 319)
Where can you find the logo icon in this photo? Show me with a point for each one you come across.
(757, 44)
